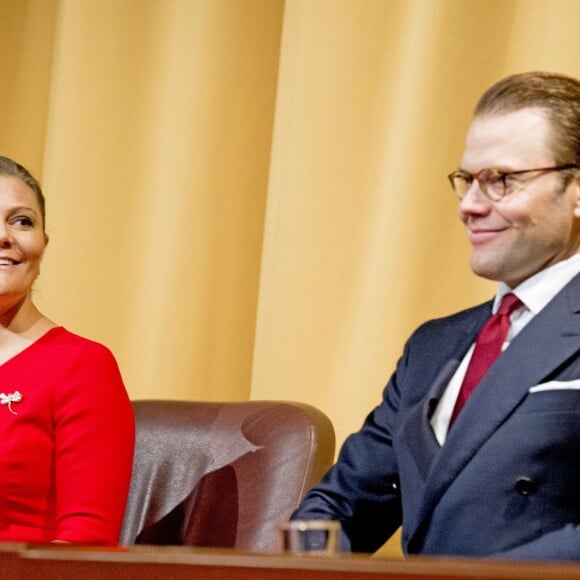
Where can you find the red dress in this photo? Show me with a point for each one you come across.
(66, 442)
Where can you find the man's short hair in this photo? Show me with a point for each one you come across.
(556, 94)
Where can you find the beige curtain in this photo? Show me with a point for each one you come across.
(248, 198)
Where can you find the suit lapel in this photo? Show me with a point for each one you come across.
(545, 343)
(416, 430)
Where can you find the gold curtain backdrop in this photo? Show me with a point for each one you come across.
(247, 199)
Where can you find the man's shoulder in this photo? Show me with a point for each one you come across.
(457, 320)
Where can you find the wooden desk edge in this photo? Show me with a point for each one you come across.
(418, 566)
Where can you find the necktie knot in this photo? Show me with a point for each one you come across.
(488, 346)
(509, 303)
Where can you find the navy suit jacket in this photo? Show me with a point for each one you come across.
(506, 482)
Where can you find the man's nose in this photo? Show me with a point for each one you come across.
(474, 200)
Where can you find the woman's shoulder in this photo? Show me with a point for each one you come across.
(64, 342)
(67, 354)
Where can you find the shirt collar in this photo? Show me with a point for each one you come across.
(539, 289)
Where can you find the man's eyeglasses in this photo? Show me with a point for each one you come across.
(494, 183)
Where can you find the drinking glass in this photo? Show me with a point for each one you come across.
(311, 537)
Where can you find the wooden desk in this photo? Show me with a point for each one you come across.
(177, 563)
(10, 560)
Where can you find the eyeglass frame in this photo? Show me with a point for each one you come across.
(501, 175)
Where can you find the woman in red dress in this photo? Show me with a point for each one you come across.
(66, 423)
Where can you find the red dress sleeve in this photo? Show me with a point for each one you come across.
(94, 440)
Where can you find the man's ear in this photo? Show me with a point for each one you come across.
(576, 185)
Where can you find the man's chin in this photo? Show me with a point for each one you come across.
(486, 270)
(495, 274)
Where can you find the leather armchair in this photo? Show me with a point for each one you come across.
(222, 474)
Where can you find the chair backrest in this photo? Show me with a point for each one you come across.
(222, 474)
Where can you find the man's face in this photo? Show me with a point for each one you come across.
(538, 223)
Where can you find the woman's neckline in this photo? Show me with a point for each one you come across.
(17, 353)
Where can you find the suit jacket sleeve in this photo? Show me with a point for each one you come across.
(362, 489)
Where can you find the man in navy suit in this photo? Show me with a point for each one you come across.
(501, 476)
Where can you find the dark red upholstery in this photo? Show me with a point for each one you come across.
(222, 474)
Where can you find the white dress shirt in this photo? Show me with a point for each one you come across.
(535, 293)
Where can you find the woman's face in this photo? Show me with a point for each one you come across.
(22, 239)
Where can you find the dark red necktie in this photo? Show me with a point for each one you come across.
(487, 348)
